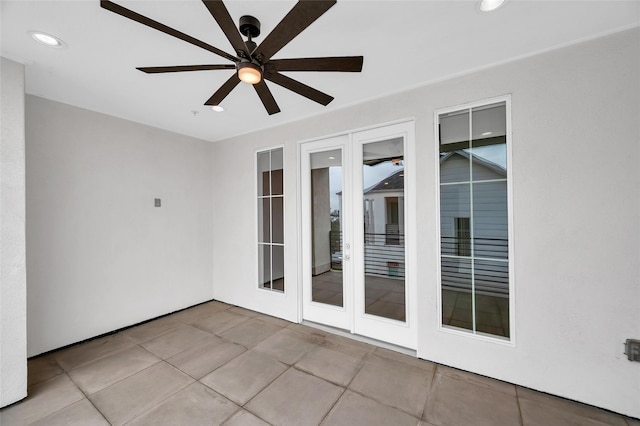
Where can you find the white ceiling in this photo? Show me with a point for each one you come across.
(404, 43)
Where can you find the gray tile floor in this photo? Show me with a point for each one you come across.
(218, 364)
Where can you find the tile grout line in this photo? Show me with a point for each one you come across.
(346, 387)
(164, 399)
(85, 397)
(371, 397)
(519, 408)
(431, 386)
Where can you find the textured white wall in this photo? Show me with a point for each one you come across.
(13, 309)
(100, 255)
(575, 162)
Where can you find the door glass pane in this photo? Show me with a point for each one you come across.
(326, 228)
(384, 251)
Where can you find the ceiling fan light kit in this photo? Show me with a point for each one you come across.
(252, 63)
(249, 73)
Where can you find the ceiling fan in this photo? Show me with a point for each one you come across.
(253, 63)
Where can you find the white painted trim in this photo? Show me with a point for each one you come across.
(351, 132)
(400, 333)
(335, 316)
(404, 128)
(511, 341)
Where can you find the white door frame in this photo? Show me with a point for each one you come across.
(351, 316)
(334, 316)
(381, 328)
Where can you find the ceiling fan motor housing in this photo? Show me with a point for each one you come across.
(249, 26)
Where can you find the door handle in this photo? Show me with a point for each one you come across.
(347, 256)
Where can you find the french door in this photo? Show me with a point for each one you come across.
(357, 233)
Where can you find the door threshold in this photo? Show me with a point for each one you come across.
(359, 338)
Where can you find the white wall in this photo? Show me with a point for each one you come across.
(13, 307)
(100, 256)
(575, 162)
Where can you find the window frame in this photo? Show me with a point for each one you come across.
(258, 219)
(443, 328)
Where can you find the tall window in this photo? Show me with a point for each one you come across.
(270, 219)
(474, 225)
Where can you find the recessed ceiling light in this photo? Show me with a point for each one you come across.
(487, 133)
(217, 108)
(332, 158)
(47, 39)
(489, 5)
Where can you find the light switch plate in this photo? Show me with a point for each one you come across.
(632, 349)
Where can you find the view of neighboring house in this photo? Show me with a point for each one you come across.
(384, 226)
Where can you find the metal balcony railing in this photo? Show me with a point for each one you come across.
(383, 253)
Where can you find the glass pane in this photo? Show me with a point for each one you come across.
(264, 165)
(489, 162)
(490, 221)
(454, 131)
(489, 144)
(454, 167)
(278, 268)
(276, 182)
(489, 124)
(277, 219)
(455, 211)
(457, 305)
(384, 257)
(264, 220)
(326, 229)
(264, 260)
(491, 281)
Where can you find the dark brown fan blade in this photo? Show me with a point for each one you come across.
(106, 4)
(299, 88)
(303, 14)
(340, 64)
(220, 13)
(266, 97)
(224, 90)
(181, 68)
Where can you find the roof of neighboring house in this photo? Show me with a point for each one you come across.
(390, 183)
(395, 182)
(477, 160)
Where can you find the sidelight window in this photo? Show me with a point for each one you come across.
(270, 219)
(474, 221)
